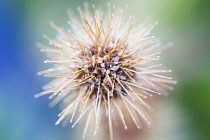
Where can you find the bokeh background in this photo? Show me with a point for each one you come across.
(22, 24)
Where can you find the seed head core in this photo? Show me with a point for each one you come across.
(103, 67)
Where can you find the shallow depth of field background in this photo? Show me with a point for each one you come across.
(22, 24)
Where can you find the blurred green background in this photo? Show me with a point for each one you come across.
(184, 22)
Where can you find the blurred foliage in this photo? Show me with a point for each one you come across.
(194, 99)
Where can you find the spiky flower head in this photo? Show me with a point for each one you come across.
(103, 67)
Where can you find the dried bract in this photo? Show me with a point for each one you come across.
(105, 67)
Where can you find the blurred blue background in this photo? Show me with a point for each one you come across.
(22, 23)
